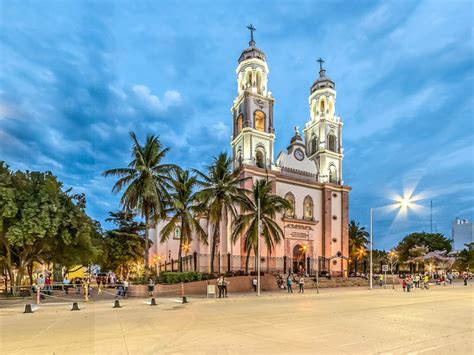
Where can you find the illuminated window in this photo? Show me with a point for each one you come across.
(308, 208)
(259, 121)
(290, 212)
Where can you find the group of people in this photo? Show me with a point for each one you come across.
(295, 278)
(222, 283)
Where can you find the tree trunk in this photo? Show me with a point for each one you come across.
(214, 242)
(180, 251)
(355, 267)
(30, 272)
(247, 259)
(147, 247)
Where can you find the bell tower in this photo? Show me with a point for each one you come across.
(252, 112)
(323, 132)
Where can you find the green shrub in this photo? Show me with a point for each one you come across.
(178, 277)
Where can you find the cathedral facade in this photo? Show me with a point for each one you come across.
(308, 174)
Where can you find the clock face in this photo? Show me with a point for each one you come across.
(299, 154)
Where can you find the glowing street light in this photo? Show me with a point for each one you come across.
(403, 204)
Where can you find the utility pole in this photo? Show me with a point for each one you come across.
(431, 216)
(370, 256)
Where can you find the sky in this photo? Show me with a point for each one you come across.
(77, 76)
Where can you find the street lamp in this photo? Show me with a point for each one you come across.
(393, 257)
(403, 203)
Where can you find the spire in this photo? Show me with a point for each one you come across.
(322, 72)
(323, 81)
(252, 29)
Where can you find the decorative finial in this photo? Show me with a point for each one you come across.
(252, 29)
(322, 72)
(297, 130)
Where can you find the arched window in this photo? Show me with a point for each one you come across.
(308, 208)
(332, 142)
(322, 105)
(314, 144)
(259, 82)
(260, 158)
(259, 117)
(249, 80)
(240, 123)
(290, 212)
(332, 174)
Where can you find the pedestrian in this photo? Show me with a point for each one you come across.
(224, 286)
(66, 285)
(125, 288)
(301, 284)
(465, 277)
(450, 278)
(48, 284)
(40, 282)
(220, 283)
(254, 284)
(77, 283)
(381, 280)
(288, 284)
(404, 284)
(151, 287)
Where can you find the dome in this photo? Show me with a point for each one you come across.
(322, 82)
(252, 52)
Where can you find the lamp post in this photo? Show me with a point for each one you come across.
(404, 202)
(258, 246)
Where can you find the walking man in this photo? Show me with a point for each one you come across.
(220, 282)
(151, 287)
(254, 284)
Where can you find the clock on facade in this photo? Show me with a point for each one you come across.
(299, 154)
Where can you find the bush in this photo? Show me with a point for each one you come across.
(178, 277)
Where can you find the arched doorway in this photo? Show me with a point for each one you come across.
(299, 257)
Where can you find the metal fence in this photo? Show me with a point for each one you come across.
(234, 263)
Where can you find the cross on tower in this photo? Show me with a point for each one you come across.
(252, 29)
(320, 61)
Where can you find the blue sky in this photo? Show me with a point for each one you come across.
(76, 77)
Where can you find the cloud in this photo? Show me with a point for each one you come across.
(152, 102)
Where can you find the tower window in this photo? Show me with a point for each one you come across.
(259, 121)
(332, 142)
(314, 144)
(332, 174)
(240, 120)
(260, 159)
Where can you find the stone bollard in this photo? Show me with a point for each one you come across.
(75, 307)
(117, 304)
(153, 302)
(28, 308)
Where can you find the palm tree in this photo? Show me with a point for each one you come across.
(184, 211)
(358, 240)
(145, 181)
(247, 221)
(219, 191)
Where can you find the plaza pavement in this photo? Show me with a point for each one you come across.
(336, 321)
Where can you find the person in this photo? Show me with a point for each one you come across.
(66, 285)
(404, 284)
(288, 284)
(381, 280)
(465, 277)
(426, 280)
(254, 284)
(409, 283)
(220, 283)
(151, 287)
(40, 282)
(125, 288)
(224, 286)
(78, 285)
(301, 284)
(48, 285)
(450, 278)
(118, 288)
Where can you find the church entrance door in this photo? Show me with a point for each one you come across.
(299, 256)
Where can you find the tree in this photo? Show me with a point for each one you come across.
(40, 222)
(358, 240)
(124, 246)
(220, 189)
(465, 258)
(247, 222)
(145, 181)
(184, 211)
(432, 241)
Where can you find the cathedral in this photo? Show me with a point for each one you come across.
(308, 174)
